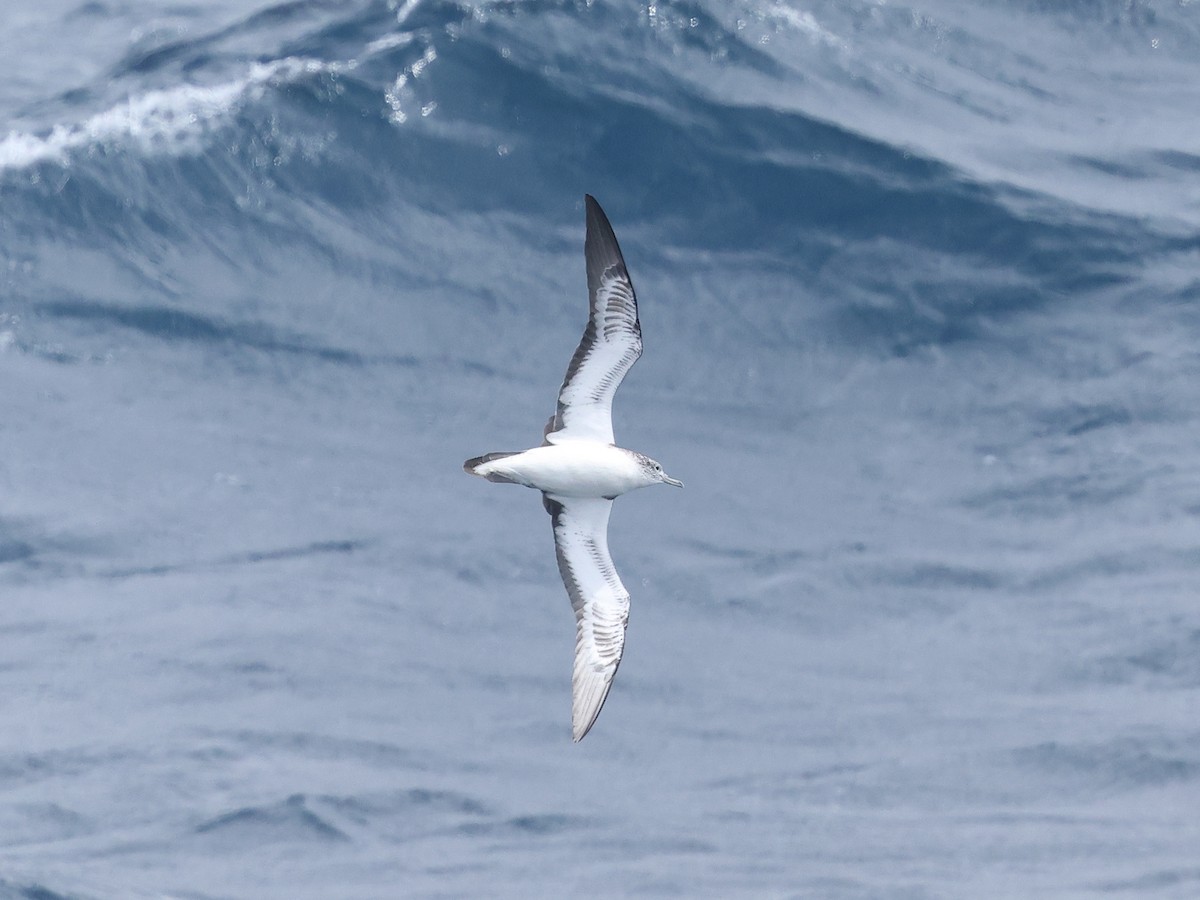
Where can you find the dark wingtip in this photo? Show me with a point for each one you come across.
(600, 247)
(593, 208)
(595, 214)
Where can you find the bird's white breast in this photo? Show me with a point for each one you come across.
(575, 469)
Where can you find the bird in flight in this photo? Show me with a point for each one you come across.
(580, 470)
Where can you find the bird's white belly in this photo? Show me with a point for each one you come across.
(575, 469)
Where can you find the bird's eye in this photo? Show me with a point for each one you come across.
(657, 467)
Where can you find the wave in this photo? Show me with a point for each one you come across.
(171, 121)
(354, 133)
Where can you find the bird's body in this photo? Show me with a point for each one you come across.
(573, 469)
(580, 470)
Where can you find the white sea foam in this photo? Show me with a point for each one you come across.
(174, 120)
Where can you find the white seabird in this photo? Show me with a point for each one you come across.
(580, 470)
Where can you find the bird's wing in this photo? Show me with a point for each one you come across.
(611, 344)
(600, 600)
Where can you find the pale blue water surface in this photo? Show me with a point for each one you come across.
(921, 311)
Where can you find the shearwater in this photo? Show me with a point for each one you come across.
(580, 470)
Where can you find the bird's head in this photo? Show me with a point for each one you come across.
(654, 472)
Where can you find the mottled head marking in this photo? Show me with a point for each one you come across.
(654, 471)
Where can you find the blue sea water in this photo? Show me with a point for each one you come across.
(921, 309)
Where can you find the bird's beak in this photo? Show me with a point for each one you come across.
(671, 481)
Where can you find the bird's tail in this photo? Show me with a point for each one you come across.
(478, 466)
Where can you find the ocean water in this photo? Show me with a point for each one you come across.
(921, 310)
